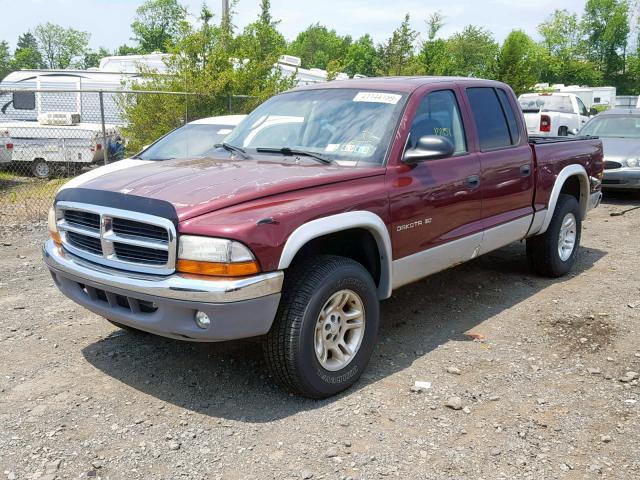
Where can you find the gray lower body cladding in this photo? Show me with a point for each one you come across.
(170, 317)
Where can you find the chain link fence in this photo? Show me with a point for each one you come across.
(49, 136)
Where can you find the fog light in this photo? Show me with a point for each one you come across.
(202, 320)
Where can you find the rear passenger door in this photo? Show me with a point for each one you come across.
(506, 166)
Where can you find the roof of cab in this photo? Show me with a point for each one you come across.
(621, 111)
(396, 84)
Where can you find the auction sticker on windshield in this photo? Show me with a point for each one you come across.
(377, 97)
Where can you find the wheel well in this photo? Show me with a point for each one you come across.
(355, 243)
(572, 187)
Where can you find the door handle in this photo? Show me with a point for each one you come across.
(525, 170)
(473, 181)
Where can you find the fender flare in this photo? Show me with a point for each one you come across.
(339, 222)
(565, 173)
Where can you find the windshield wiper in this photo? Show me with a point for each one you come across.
(293, 151)
(233, 149)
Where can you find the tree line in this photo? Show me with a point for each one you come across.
(224, 64)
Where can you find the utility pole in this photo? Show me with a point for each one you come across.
(225, 10)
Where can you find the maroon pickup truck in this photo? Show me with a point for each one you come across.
(322, 202)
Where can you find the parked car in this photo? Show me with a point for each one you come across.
(194, 139)
(619, 130)
(295, 231)
(551, 114)
(6, 147)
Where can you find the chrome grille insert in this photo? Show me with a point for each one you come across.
(118, 238)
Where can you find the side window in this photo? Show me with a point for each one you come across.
(511, 117)
(438, 114)
(582, 108)
(491, 123)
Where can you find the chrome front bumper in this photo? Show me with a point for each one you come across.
(173, 286)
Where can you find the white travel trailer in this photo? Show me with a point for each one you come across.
(55, 117)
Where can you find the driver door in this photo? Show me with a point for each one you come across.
(436, 204)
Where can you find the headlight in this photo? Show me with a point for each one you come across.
(52, 226)
(633, 162)
(215, 256)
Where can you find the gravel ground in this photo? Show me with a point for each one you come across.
(530, 378)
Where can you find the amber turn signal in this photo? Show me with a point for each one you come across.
(239, 269)
(55, 236)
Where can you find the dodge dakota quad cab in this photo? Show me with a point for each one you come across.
(321, 203)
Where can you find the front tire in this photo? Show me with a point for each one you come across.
(553, 253)
(326, 327)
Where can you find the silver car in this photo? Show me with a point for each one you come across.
(619, 130)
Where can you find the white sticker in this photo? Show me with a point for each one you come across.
(377, 97)
(332, 147)
(224, 131)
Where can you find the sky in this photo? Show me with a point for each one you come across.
(109, 21)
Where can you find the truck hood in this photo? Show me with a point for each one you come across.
(199, 186)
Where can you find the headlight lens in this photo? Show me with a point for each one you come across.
(633, 162)
(52, 226)
(215, 256)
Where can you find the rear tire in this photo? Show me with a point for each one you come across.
(563, 131)
(325, 328)
(553, 253)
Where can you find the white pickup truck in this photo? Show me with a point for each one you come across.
(554, 114)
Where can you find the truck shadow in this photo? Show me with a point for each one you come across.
(229, 380)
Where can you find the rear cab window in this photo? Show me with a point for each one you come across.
(494, 117)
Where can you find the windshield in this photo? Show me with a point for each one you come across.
(623, 126)
(546, 103)
(191, 140)
(344, 125)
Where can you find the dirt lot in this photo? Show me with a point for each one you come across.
(545, 387)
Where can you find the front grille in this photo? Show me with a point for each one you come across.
(609, 165)
(84, 242)
(118, 238)
(136, 254)
(123, 226)
(82, 219)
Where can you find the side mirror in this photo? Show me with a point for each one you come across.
(593, 112)
(573, 131)
(146, 146)
(429, 147)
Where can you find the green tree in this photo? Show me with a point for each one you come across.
(125, 49)
(92, 58)
(317, 46)
(5, 59)
(210, 61)
(520, 62)
(397, 54)
(60, 47)
(472, 53)
(361, 58)
(562, 40)
(605, 25)
(434, 23)
(433, 57)
(27, 55)
(158, 24)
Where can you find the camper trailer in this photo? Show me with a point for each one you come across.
(54, 117)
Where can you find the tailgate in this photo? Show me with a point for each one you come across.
(532, 121)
